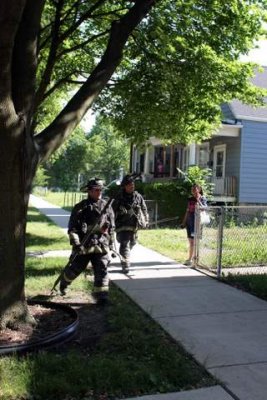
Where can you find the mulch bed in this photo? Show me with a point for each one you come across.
(92, 323)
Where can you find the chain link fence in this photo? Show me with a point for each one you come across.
(234, 241)
(155, 219)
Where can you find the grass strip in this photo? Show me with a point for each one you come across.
(252, 283)
(42, 234)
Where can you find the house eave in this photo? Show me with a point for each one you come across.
(229, 130)
(250, 118)
(154, 141)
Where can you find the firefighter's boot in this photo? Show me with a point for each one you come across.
(63, 286)
(125, 266)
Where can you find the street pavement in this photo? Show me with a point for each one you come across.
(223, 328)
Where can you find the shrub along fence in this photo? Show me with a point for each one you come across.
(234, 241)
(164, 199)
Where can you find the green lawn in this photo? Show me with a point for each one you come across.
(65, 200)
(43, 235)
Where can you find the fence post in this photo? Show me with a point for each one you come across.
(220, 242)
(197, 236)
(156, 214)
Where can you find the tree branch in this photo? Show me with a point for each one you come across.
(59, 83)
(51, 57)
(82, 45)
(25, 48)
(53, 136)
(56, 40)
(83, 18)
(10, 17)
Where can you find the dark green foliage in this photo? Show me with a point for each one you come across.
(196, 175)
(186, 70)
(68, 162)
(171, 202)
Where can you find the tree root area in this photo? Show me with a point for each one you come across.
(92, 323)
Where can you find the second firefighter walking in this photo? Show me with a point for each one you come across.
(130, 215)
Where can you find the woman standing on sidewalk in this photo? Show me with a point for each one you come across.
(189, 218)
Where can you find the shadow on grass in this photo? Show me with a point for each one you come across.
(41, 241)
(34, 216)
(32, 272)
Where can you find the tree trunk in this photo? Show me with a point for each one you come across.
(16, 174)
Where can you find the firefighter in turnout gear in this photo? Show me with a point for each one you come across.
(86, 219)
(130, 215)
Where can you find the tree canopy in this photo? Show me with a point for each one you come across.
(108, 153)
(101, 152)
(189, 66)
(66, 165)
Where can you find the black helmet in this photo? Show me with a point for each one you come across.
(127, 179)
(93, 183)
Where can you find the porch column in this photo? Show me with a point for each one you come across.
(192, 154)
(171, 161)
(134, 158)
(146, 163)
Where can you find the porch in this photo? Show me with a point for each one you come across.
(225, 189)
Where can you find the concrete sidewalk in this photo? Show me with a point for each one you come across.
(223, 328)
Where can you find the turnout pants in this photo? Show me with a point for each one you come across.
(127, 240)
(99, 262)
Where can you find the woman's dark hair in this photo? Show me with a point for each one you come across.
(196, 185)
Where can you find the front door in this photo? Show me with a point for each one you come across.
(219, 168)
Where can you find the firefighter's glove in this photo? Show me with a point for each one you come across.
(74, 239)
(80, 249)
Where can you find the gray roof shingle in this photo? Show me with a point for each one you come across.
(243, 111)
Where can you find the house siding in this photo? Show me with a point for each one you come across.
(253, 165)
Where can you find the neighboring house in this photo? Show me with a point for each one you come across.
(236, 154)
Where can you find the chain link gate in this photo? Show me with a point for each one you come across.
(234, 241)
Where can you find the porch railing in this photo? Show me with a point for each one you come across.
(225, 186)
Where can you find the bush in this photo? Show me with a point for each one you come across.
(171, 203)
